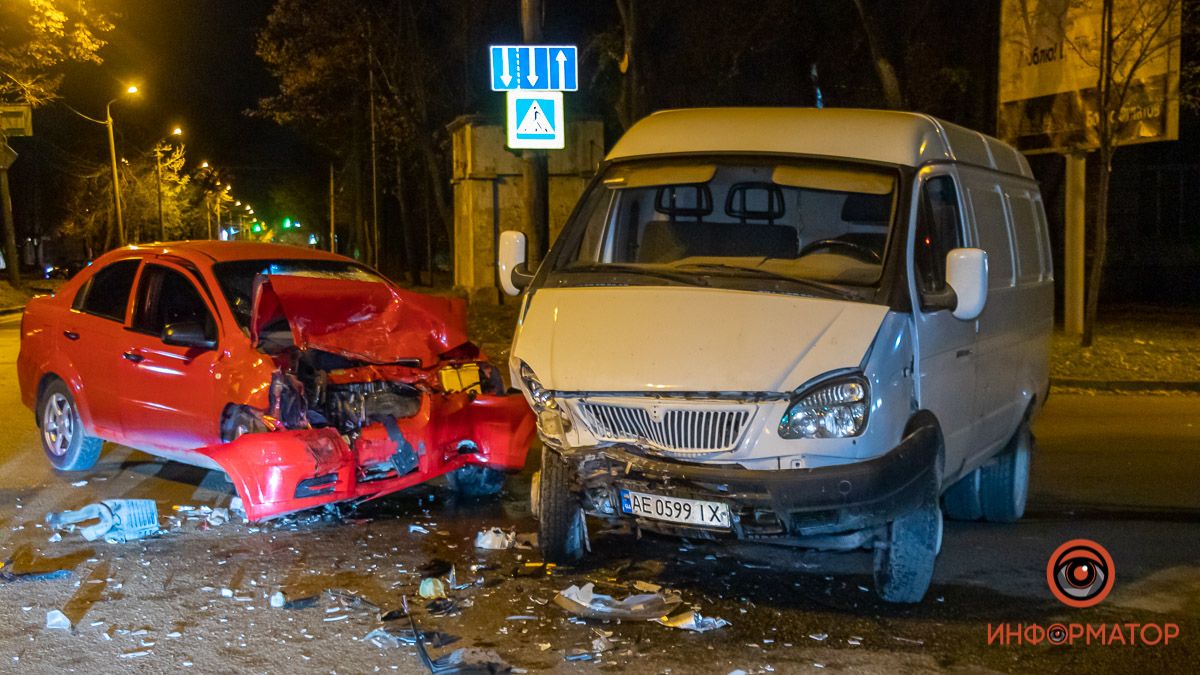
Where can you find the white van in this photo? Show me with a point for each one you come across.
(819, 328)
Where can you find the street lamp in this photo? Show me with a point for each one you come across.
(158, 150)
(112, 152)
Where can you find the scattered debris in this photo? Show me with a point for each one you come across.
(79, 483)
(578, 655)
(56, 620)
(278, 600)
(121, 520)
(495, 539)
(443, 607)
(819, 637)
(693, 621)
(8, 576)
(458, 661)
(647, 587)
(418, 529)
(586, 603)
(218, 517)
(387, 637)
(432, 588)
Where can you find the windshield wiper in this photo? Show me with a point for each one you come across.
(617, 268)
(737, 270)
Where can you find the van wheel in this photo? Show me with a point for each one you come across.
(473, 480)
(961, 501)
(904, 561)
(64, 440)
(560, 517)
(1004, 482)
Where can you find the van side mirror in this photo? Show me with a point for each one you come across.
(510, 259)
(967, 275)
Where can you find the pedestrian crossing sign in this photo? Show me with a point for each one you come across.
(535, 120)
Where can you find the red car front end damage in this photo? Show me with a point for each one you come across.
(375, 390)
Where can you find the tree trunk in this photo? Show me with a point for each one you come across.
(892, 94)
(408, 259)
(1099, 248)
(12, 259)
(628, 110)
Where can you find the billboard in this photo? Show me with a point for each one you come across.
(1049, 72)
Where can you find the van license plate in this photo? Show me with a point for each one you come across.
(675, 510)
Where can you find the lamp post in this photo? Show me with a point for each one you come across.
(158, 150)
(112, 153)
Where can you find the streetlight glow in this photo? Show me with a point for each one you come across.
(177, 131)
(203, 165)
(132, 89)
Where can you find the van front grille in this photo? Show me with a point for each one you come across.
(682, 429)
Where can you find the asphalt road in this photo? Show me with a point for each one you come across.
(1119, 470)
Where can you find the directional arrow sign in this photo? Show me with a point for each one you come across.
(534, 68)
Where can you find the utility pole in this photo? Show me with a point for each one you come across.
(534, 177)
(374, 159)
(116, 181)
(208, 216)
(332, 226)
(162, 228)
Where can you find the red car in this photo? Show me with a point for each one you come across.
(305, 376)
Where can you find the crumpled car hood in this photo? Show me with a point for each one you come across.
(363, 320)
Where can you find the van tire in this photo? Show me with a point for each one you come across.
(1004, 482)
(904, 560)
(559, 514)
(61, 432)
(961, 501)
(473, 480)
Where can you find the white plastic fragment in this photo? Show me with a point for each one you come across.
(278, 600)
(418, 529)
(693, 621)
(495, 539)
(79, 483)
(432, 588)
(583, 601)
(56, 620)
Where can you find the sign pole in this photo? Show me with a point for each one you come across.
(1074, 242)
(535, 178)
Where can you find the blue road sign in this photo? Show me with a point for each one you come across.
(535, 120)
(534, 67)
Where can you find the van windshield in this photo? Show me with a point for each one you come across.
(812, 222)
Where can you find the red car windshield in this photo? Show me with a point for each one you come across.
(236, 278)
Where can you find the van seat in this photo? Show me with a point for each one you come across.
(664, 241)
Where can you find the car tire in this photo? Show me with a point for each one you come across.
(473, 480)
(241, 420)
(961, 501)
(904, 561)
(1004, 482)
(63, 437)
(560, 516)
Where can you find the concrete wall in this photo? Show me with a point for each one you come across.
(488, 193)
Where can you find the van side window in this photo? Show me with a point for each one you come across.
(938, 232)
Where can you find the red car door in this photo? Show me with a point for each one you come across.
(93, 339)
(169, 378)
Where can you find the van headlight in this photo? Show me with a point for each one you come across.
(543, 399)
(833, 409)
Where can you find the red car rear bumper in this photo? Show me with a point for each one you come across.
(281, 472)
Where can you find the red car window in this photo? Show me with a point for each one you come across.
(107, 293)
(167, 297)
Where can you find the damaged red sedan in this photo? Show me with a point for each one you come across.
(304, 376)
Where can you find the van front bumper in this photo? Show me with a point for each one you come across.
(828, 507)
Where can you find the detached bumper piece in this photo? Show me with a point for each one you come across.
(830, 507)
(281, 472)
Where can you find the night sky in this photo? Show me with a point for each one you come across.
(195, 63)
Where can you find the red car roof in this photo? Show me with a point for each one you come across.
(207, 251)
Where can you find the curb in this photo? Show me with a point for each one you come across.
(4, 311)
(1125, 385)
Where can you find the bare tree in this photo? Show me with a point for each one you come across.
(1133, 34)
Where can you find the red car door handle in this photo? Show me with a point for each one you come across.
(130, 356)
(70, 335)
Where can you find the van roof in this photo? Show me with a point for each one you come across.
(893, 137)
